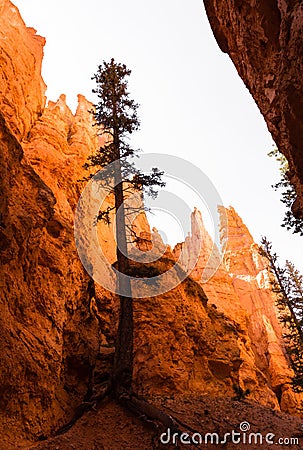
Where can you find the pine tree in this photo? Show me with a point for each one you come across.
(288, 194)
(116, 118)
(287, 283)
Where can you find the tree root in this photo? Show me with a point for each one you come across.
(151, 414)
(86, 406)
(148, 413)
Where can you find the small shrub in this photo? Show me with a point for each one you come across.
(240, 393)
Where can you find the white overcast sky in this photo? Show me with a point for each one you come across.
(193, 103)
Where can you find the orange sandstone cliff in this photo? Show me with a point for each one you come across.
(57, 327)
(241, 290)
(50, 341)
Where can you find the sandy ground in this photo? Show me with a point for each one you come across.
(110, 427)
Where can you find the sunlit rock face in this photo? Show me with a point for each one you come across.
(199, 251)
(240, 288)
(184, 344)
(21, 91)
(50, 336)
(57, 327)
(251, 280)
(264, 39)
(49, 339)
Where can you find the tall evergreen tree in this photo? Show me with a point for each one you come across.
(116, 118)
(287, 283)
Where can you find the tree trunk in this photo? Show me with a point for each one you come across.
(123, 362)
(289, 305)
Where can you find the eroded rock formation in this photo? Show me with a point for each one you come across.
(49, 336)
(264, 39)
(251, 281)
(21, 91)
(240, 288)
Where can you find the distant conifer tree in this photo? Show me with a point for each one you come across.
(287, 283)
(288, 194)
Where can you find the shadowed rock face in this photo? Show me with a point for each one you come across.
(57, 327)
(264, 39)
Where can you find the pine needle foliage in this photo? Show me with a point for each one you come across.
(287, 283)
(288, 194)
(116, 118)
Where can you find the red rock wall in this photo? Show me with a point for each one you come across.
(250, 277)
(264, 39)
(21, 91)
(49, 337)
(241, 290)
